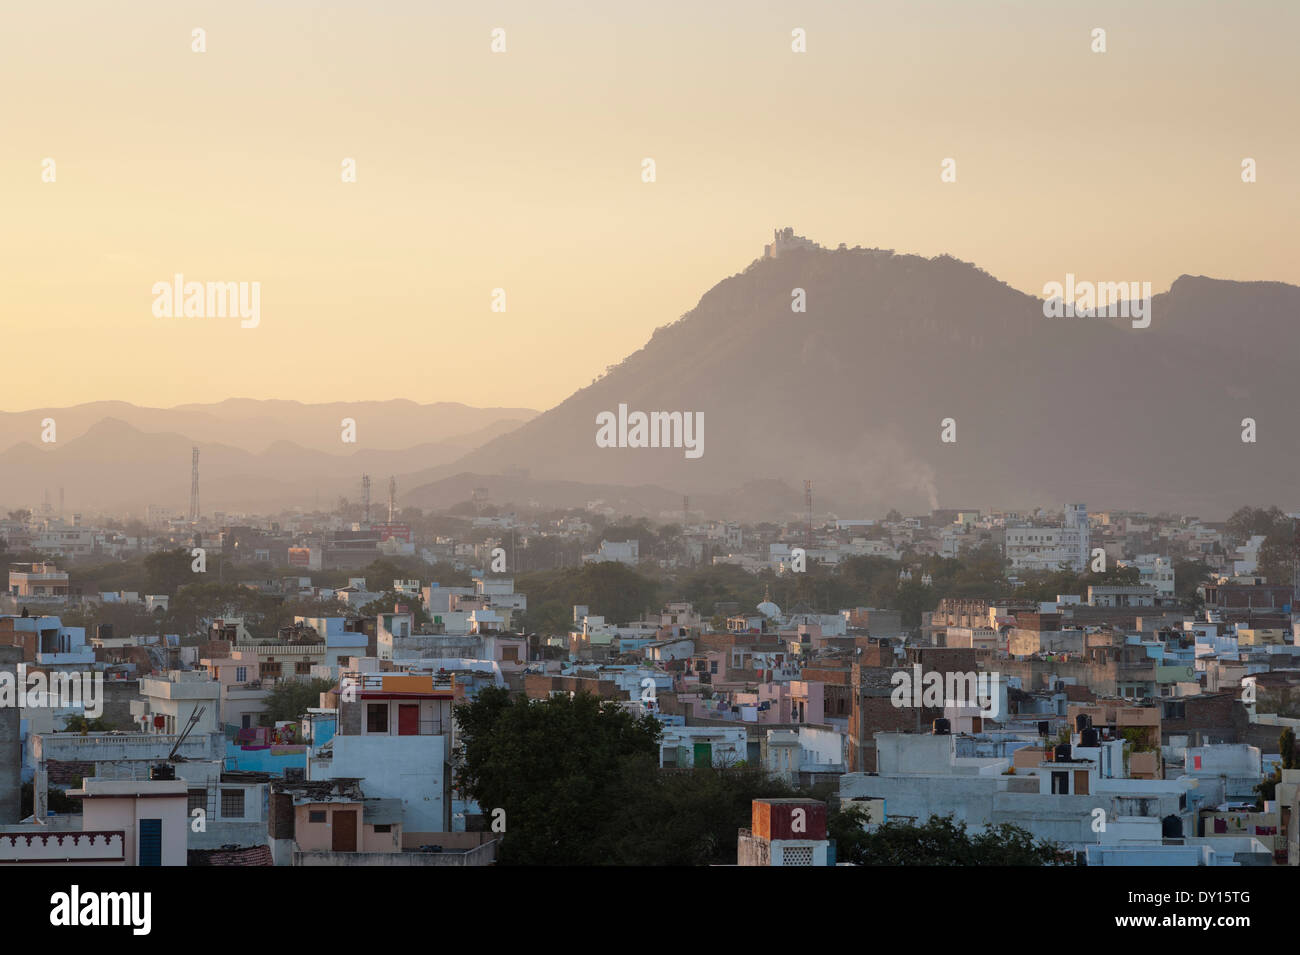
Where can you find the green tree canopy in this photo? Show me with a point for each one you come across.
(290, 699)
(557, 768)
(941, 840)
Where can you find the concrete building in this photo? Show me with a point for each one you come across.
(167, 703)
(139, 822)
(10, 742)
(785, 832)
(396, 738)
(38, 582)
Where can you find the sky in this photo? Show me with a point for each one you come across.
(522, 171)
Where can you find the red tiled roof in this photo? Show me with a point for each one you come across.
(251, 855)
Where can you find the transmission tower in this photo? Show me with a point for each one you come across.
(194, 483)
(392, 498)
(807, 495)
(365, 497)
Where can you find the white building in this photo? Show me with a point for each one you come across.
(624, 552)
(1048, 548)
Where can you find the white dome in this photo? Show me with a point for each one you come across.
(769, 609)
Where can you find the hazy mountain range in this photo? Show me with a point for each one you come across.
(254, 455)
(850, 395)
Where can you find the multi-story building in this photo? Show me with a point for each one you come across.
(1050, 548)
(395, 736)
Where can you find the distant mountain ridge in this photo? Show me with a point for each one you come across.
(254, 455)
(852, 394)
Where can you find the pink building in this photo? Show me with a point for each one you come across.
(124, 823)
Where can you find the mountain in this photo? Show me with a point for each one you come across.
(254, 424)
(115, 466)
(852, 394)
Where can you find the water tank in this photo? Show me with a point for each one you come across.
(1089, 737)
(1044, 728)
(941, 727)
(1062, 753)
(162, 771)
(1082, 722)
(1171, 827)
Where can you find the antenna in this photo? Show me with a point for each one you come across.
(194, 484)
(365, 497)
(194, 719)
(392, 497)
(807, 494)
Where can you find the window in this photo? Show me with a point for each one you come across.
(232, 804)
(241, 674)
(198, 800)
(271, 669)
(385, 827)
(797, 855)
(302, 666)
(316, 815)
(377, 718)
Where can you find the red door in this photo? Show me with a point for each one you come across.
(408, 719)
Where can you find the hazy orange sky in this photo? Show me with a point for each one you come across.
(522, 170)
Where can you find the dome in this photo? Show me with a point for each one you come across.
(769, 609)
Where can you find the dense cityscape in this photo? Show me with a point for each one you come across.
(1045, 687)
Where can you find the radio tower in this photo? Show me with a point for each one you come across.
(365, 497)
(194, 484)
(807, 496)
(392, 497)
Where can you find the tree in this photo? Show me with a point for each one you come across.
(168, 570)
(392, 598)
(609, 589)
(1247, 522)
(847, 826)
(941, 840)
(1286, 747)
(556, 768)
(289, 700)
(80, 724)
(691, 817)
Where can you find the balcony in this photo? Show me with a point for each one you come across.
(104, 847)
(106, 747)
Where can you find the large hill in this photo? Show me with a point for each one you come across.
(851, 394)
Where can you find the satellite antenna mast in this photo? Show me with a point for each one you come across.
(189, 727)
(807, 495)
(194, 484)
